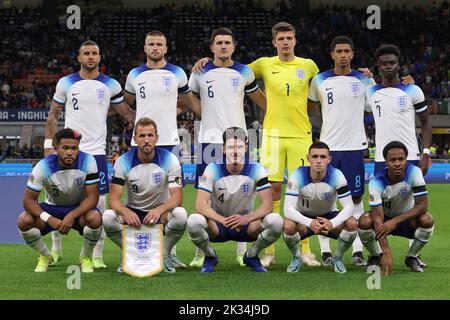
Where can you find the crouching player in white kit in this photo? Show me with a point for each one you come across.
(310, 207)
(225, 197)
(399, 203)
(70, 179)
(152, 176)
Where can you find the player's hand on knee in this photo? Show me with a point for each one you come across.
(385, 229)
(198, 66)
(132, 219)
(152, 216)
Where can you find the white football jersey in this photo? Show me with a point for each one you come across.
(156, 92)
(396, 198)
(394, 110)
(317, 199)
(147, 184)
(86, 107)
(64, 187)
(233, 194)
(222, 93)
(342, 100)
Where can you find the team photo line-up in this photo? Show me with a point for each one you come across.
(75, 178)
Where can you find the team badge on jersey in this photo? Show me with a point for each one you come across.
(401, 101)
(235, 83)
(157, 177)
(300, 73)
(245, 188)
(326, 195)
(167, 82)
(101, 95)
(403, 192)
(354, 87)
(142, 242)
(79, 181)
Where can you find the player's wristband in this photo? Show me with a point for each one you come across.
(44, 216)
(48, 143)
(426, 151)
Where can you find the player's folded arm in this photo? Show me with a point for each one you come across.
(290, 212)
(345, 199)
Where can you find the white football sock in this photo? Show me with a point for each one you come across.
(112, 227)
(91, 237)
(34, 239)
(273, 227)
(368, 239)
(175, 228)
(56, 241)
(324, 243)
(292, 242)
(196, 225)
(421, 238)
(345, 240)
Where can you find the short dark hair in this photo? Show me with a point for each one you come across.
(66, 133)
(155, 33)
(234, 132)
(144, 122)
(221, 32)
(341, 40)
(89, 43)
(319, 145)
(394, 145)
(387, 49)
(282, 27)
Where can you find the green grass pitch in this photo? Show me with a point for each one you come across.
(230, 281)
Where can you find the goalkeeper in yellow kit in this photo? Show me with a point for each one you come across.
(287, 131)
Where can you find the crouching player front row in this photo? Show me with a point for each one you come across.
(70, 180)
(224, 205)
(310, 207)
(152, 177)
(399, 203)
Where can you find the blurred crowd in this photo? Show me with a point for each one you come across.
(37, 50)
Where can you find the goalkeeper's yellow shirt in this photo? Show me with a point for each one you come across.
(286, 87)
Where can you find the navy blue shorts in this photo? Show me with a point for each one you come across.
(351, 163)
(329, 216)
(403, 229)
(226, 234)
(380, 165)
(102, 174)
(141, 214)
(60, 212)
(205, 154)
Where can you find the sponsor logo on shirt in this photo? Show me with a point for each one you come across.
(403, 192)
(401, 101)
(79, 181)
(245, 188)
(326, 195)
(355, 87)
(234, 83)
(157, 177)
(167, 82)
(300, 73)
(101, 95)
